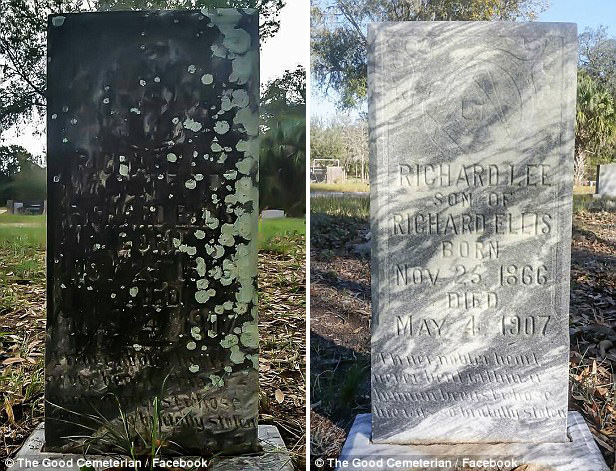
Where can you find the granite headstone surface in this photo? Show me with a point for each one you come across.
(152, 225)
(606, 180)
(472, 128)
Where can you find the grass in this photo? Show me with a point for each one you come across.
(281, 235)
(349, 186)
(587, 202)
(18, 232)
(354, 207)
(583, 190)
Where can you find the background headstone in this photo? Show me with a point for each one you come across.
(606, 180)
(152, 226)
(472, 144)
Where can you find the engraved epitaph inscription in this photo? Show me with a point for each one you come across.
(152, 218)
(472, 144)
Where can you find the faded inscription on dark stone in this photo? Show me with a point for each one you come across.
(472, 134)
(152, 223)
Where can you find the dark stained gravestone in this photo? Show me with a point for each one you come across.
(152, 225)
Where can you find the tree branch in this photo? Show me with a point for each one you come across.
(6, 50)
(351, 19)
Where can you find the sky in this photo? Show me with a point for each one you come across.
(586, 13)
(284, 51)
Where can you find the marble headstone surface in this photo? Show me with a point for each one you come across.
(471, 165)
(606, 180)
(152, 226)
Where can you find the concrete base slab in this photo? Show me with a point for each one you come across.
(274, 456)
(581, 453)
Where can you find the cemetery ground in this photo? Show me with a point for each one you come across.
(22, 330)
(340, 320)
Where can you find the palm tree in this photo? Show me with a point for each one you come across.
(595, 123)
(283, 165)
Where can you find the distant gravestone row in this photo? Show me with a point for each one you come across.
(26, 207)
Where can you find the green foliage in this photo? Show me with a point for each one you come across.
(21, 178)
(283, 144)
(283, 166)
(338, 38)
(595, 121)
(23, 26)
(598, 57)
(325, 141)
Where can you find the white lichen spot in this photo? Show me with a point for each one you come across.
(190, 184)
(216, 147)
(189, 249)
(228, 369)
(135, 110)
(226, 235)
(246, 165)
(230, 174)
(113, 295)
(65, 140)
(105, 100)
(240, 98)
(176, 242)
(137, 347)
(198, 176)
(204, 348)
(199, 234)
(175, 120)
(54, 116)
(133, 291)
(219, 251)
(202, 283)
(250, 335)
(202, 296)
(171, 157)
(219, 309)
(195, 331)
(124, 170)
(191, 345)
(211, 333)
(193, 368)
(207, 79)
(201, 268)
(157, 79)
(217, 381)
(122, 158)
(142, 82)
(192, 125)
(192, 69)
(74, 121)
(237, 356)
(229, 341)
(221, 127)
